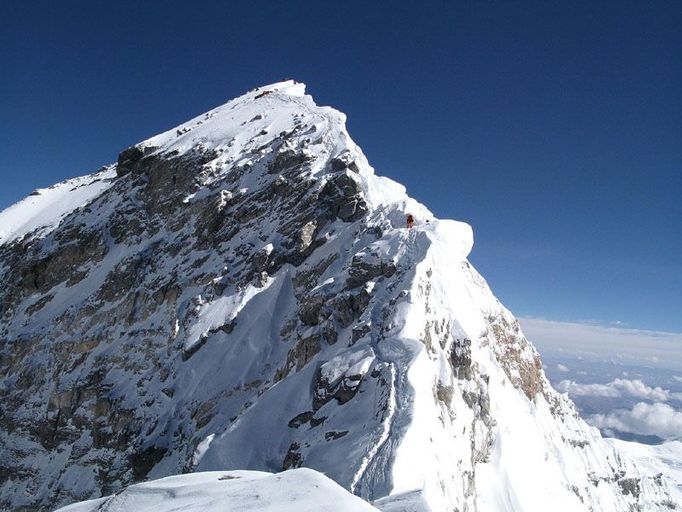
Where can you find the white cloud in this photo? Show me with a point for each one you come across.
(644, 419)
(638, 389)
(617, 388)
(562, 368)
(575, 389)
(599, 342)
(678, 379)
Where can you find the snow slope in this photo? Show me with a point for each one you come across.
(299, 490)
(46, 207)
(663, 459)
(245, 295)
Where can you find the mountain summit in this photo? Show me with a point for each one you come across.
(243, 292)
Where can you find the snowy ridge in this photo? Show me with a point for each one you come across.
(45, 208)
(231, 491)
(246, 295)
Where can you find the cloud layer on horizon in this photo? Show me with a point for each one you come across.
(573, 347)
(657, 419)
(618, 388)
(599, 342)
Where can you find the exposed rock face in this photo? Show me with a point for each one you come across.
(243, 294)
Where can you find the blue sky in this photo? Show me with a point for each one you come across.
(553, 129)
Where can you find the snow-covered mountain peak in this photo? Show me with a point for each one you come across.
(269, 109)
(246, 293)
(282, 117)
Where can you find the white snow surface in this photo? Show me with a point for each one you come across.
(42, 211)
(298, 490)
(663, 459)
(450, 409)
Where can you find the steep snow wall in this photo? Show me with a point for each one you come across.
(245, 294)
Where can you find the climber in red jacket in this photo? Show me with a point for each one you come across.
(410, 221)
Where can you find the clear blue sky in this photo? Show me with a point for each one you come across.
(554, 128)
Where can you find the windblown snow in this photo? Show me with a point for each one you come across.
(242, 293)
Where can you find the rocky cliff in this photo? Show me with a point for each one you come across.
(241, 292)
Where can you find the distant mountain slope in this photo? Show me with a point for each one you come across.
(245, 294)
(663, 460)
